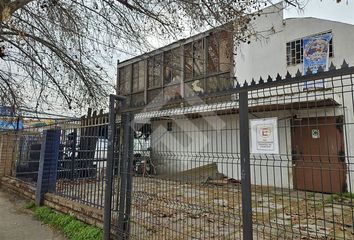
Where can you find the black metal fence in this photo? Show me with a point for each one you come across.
(29, 147)
(275, 161)
(83, 160)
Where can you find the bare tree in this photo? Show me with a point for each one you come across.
(57, 50)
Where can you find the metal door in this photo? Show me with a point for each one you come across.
(318, 154)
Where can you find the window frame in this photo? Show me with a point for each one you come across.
(290, 49)
(181, 66)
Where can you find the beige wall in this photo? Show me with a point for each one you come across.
(8, 143)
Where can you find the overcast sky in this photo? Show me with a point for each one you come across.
(326, 9)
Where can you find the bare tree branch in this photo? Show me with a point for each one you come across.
(64, 51)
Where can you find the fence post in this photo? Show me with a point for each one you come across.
(109, 169)
(125, 178)
(48, 164)
(129, 177)
(110, 164)
(245, 167)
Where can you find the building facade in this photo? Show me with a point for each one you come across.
(184, 90)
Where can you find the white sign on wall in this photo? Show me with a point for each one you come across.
(264, 136)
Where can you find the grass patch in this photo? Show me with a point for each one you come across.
(30, 205)
(349, 195)
(310, 195)
(333, 198)
(72, 228)
(340, 197)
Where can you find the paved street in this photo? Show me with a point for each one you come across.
(17, 224)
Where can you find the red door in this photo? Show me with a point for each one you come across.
(318, 154)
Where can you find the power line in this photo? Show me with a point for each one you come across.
(44, 113)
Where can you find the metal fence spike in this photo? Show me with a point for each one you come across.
(237, 85)
(332, 67)
(278, 78)
(261, 81)
(288, 75)
(345, 64)
(308, 71)
(298, 73)
(320, 69)
(269, 79)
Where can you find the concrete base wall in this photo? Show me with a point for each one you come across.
(82, 212)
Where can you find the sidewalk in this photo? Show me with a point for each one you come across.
(17, 224)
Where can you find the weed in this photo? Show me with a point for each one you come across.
(71, 227)
(349, 195)
(310, 195)
(335, 197)
(29, 205)
(332, 198)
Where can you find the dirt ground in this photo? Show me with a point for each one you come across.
(17, 223)
(171, 210)
(163, 209)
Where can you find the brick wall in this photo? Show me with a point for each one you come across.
(8, 144)
(87, 214)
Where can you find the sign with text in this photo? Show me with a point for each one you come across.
(264, 136)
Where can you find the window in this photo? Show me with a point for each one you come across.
(213, 54)
(219, 52)
(154, 71)
(208, 56)
(295, 51)
(226, 51)
(198, 58)
(188, 61)
(205, 61)
(138, 76)
(172, 66)
(125, 74)
(172, 92)
(219, 83)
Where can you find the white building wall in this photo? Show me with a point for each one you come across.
(199, 141)
(266, 54)
(215, 139)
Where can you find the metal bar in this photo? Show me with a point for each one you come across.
(119, 98)
(73, 153)
(245, 168)
(123, 176)
(129, 178)
(109, 170)
(38, 199)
